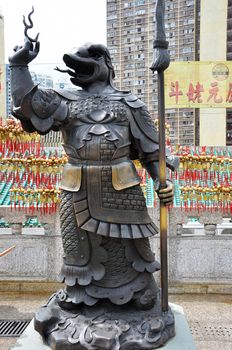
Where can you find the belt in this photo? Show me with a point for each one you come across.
(89, 162)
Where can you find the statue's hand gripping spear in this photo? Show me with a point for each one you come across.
(161, 61)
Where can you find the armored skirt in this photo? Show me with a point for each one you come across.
(106, 249)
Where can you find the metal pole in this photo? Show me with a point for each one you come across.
(7, 251)
(161, 61)
(162, 179)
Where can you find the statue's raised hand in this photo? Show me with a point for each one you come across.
(24, 54)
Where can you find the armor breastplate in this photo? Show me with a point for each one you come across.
(100, 129)
(99, 136)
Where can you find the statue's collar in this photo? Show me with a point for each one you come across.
(74, 95)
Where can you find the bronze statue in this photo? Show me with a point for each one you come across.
(111, 300)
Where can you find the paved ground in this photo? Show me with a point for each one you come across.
(209, 316)
(210, 319)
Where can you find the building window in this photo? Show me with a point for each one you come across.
(140, 12)
(113, 51)
(189, 2)
(114, 16)
(112, 8)
(129, 13)
(140, 73)
(139, 2)
(128, 4)
(140, 82)
(140, 47)
(128, 74)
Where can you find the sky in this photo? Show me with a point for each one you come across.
(62, 25)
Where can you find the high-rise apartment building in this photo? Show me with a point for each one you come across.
(130, 35)
(44, 80)
(129, 38)
(182, 29)
(2, 70)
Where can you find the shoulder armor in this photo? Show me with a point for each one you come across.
(45, 102)
(127, 97)
(42, 110)
(133, 101)
(131, 98)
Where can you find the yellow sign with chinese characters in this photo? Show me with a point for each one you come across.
(198, 85)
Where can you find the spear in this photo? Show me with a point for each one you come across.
(7, 251)
(161, 60)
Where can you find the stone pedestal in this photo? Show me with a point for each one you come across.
(182, 341)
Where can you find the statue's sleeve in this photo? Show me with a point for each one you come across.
(144, 136)
(42, 110)
(145, 139)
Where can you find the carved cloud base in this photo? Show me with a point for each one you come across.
(103, 326)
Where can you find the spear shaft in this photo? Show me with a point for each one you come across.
(163, 208)
(7, 251)
(161, 61)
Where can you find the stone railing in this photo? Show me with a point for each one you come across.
(38, 252)
(200, 251)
